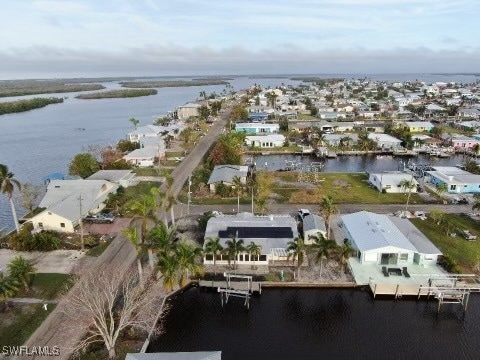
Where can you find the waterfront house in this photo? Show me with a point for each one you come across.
(63, 207)
(463, 142)
(312, 226)
(271, 233)
(258, 117)
(377, 240)
(225, 173)
(124, 178)
(423, 141)
(254, 128)
(458, 181)
(385, 141)
(155, 131)
(434, 111)
(338, 139)
(188, 110)
(390, 182)
(417, 126)
(265, 141)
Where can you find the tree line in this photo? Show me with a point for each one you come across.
(26, 105)
(118, 94)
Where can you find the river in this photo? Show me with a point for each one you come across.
(320, 324)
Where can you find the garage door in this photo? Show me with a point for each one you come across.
(370, 257)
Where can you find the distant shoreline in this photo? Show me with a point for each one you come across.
(11, 107)
(172, 83)
(113, 94)
(22, 88)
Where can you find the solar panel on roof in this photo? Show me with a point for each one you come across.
(256, 232)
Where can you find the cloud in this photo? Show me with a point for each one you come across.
(177, 60)
(60, 7)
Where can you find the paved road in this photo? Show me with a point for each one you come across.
(191, 161)
(57, 329)
(344, 208)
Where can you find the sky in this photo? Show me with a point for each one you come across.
(80, 38)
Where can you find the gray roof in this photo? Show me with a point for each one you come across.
(415, 236)
(62, 197)
(112, 175)
(198, 355)
(314, 222)
(226, 173)
(372, 231)
(277, 225)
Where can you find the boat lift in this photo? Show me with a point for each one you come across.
(225, 293)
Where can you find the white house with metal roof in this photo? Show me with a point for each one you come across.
(391, 182)
(225, 174)
(66, 201)
(271, 233)
(265, 141)
(188, 110)
(385, 141)
(312, 225)
(257, 128)
(124, 178)
(377, 240)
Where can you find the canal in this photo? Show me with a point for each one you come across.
(320, 324)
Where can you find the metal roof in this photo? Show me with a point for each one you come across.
(372, 231)
(415, 236)
(314, 222)
(265, 231)
(383, 138)
(112, 175)
(226, 173)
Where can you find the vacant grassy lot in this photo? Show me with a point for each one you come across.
(466, 253)
(349, 188)
(19, 322)
(47, 286)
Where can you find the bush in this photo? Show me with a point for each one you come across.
(25, 241)
(449, 264)
(223, 190)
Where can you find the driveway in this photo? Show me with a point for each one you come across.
(110, 229)
(57, 261)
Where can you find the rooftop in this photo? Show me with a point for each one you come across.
(314, 222)
(227, 173)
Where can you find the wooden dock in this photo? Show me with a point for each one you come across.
(234, 285)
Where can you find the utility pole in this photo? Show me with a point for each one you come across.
(80, 222)
(189, 195)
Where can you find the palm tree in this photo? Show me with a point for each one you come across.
(8, 287)
(441, 188)
(323, 248)
(212, 246)
(239, 190)
(255, 251)
(261, 203)
(186, 256)
(162, 239)
(7, 186)
(21, 269)
(134, 122)
(296, 251)
(327, 208)
(143, 209)
(169, 267)
(168, 199)
(437, 216)
(234, 247)
(407, 185)
(476, 149)
(132, 235)
(344, 253)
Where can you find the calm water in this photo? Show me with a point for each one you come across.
(320, 324)
(39, 142)
(352, 163)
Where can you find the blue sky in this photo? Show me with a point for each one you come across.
(160, 37)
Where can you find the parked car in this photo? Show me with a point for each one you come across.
(99, 219)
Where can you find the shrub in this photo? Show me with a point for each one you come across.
(25, 241)
(449, 264)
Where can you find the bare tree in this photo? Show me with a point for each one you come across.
(108, 302)
(30, 194)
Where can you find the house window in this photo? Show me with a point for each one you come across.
(404, 257)
(263, 257)
(208, 257)
(453, 187)
(62, 225)
(40, 225)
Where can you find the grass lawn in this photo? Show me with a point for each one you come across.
(466, 253)
(350, 188)
(173, 154)
(17, 324)
(212, 200)
(306, 117)
(147, 171)
(47, 286)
